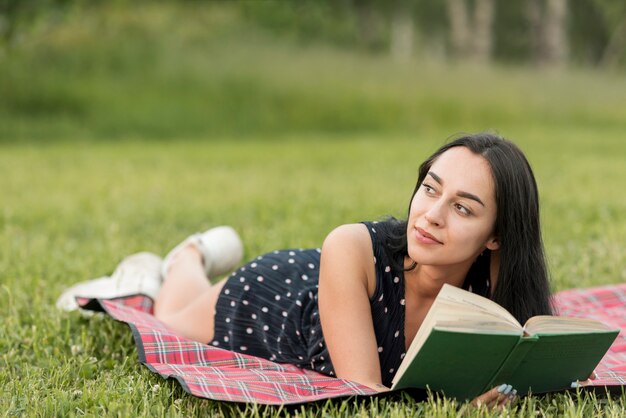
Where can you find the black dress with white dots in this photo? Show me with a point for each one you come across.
(268, 308)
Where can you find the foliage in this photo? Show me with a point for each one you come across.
(590, 25)
(365, 25)
(102, 75)
(17, 15)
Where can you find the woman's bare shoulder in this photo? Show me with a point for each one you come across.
(349, 237)
(348, 250)
(349, 233)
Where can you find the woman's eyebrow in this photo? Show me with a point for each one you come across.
(460, 194)
(435, 177)
(470, 196)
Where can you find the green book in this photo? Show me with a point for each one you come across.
(468, 344)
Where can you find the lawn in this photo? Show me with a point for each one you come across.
(334, 137)
(73, 211)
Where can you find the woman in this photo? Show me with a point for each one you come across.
(352, 309)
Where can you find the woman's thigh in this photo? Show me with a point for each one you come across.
(196, 321)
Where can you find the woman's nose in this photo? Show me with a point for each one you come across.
(434, 215)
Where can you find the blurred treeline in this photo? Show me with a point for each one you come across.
(540, 32)
(98, 69)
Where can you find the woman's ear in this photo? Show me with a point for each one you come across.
(493, 244)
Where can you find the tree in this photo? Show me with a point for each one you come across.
(471, 36)
(370, 23)
(548, 35)
(402, 31)
(614, 16)
(17, 15)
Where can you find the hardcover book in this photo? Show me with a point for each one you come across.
(468, 344)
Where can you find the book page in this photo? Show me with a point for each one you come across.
(545, 324)
(451, 311)
(477, 326)
(465, 300)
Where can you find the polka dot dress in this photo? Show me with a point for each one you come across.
(268, 308)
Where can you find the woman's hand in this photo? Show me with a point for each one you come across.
(497, 397)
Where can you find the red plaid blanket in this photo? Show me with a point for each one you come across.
(214, 373)
(606, 304)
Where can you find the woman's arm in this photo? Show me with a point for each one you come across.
(345, 283)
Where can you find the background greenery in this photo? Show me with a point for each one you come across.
(126, 127)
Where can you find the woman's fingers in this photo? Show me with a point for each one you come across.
(507, 399)
(506, 395)
(486, 398)
(497, 397)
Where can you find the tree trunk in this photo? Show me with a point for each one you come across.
(555, 36)
(534, 14)
(402, 32)
(366, 23)
(459, 28)
(471, 36)
(548, 32)
(482, 36)
(614, 50)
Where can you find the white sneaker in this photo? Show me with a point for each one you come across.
(221, 249)
(137, 274)
(95, 288)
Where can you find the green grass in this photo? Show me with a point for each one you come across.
(73, 211)
(105, 151)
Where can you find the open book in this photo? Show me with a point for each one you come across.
(468, 344)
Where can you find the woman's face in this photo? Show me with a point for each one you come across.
(453, 213)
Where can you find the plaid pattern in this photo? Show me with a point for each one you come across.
(210, 372)
(606, 304)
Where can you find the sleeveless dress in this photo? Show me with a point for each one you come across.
(268, 308)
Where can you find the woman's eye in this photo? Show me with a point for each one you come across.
(428, 188)
(463, 209)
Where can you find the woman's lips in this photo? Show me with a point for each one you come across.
(426, 238)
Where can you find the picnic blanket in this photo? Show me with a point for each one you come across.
(214, 373)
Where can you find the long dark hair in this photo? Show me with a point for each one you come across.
(523, 285)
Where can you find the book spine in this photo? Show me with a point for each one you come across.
(512, 362)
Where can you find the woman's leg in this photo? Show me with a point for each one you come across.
(187, 300)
